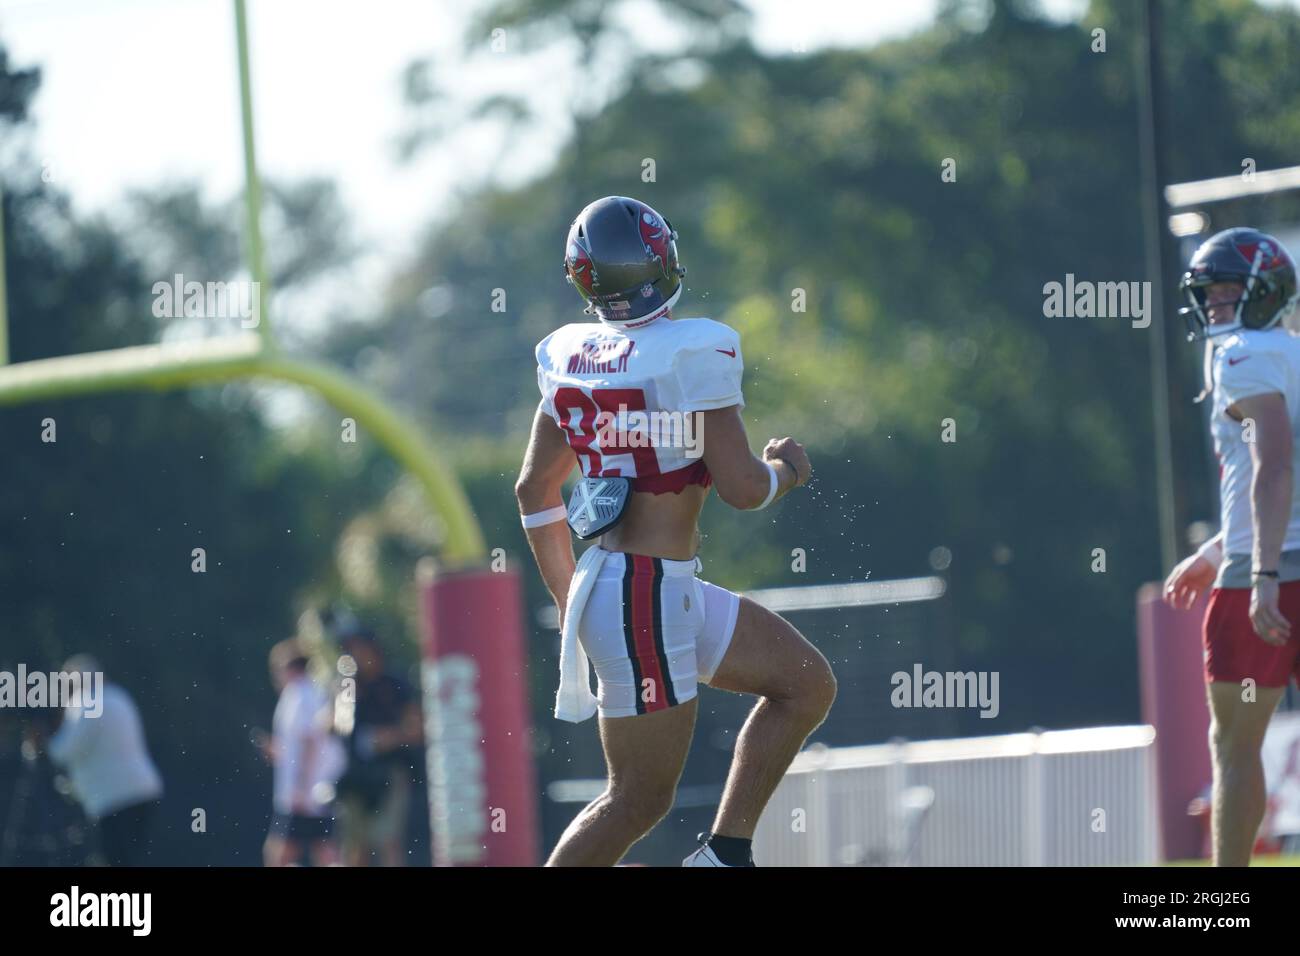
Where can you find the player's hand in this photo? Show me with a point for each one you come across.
(1188, 581)
(1265, 615)
(264, 743)
(792, 452)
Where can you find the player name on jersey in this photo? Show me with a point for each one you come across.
(604, 357)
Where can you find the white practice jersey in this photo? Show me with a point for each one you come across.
(107, 758)
(623, 396)
(1252, 362)
(307, 755)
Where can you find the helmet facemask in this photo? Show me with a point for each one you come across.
(1196, 314)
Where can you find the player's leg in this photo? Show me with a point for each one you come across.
(325, 852)
(389, 830)
(281, 851)
(645, 754)
(1234, 653)
(354, 827)
(768, 657)
(272, 849)
(273, 845)
(639, 628)
(319, 846)
(1237, 730)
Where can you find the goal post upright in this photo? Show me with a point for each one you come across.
(252, 182)
(474, 659)
(243, 356)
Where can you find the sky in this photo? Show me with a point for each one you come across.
(139, 93)
(326, 80)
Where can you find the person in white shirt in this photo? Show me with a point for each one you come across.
(1241, 288)
(307, 760)
(108, 763)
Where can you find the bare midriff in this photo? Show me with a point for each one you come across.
(660, 525)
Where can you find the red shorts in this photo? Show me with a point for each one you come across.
(1233, 651)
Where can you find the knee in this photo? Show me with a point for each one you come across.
(1232, 750)
(817, 689)
(640, 807)
(1221, 742)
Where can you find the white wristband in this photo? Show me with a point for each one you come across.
(771, 491)
(549, 516)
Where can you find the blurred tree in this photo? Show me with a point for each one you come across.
(105, 498)
(924, 299)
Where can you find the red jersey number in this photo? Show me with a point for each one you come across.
(584, 439)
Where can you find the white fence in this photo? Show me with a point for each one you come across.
(1060, 798)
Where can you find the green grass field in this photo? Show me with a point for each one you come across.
(1272, 859)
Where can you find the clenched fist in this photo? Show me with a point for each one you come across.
(792, 452)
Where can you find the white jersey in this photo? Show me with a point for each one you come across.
(1252, 362)
(624, 396)
(106, 756)
(308, 758)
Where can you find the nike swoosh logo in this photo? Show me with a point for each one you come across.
(731, 352)
(1237, 361)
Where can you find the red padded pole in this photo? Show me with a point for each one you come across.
(1171, 669)
(482, 782)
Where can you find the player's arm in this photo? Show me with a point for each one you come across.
(742, 479)
(1194, 574)
(1270, 505)
(547, 462)
(75, 738)
(407, 732)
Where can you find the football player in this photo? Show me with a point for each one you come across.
(648, 405)
(1240, 287)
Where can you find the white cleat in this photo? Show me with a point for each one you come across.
(704, 856)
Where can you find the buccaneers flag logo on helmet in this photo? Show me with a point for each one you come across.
(1268, 253)
(580, 267)
(621, 257)
(655, 235)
